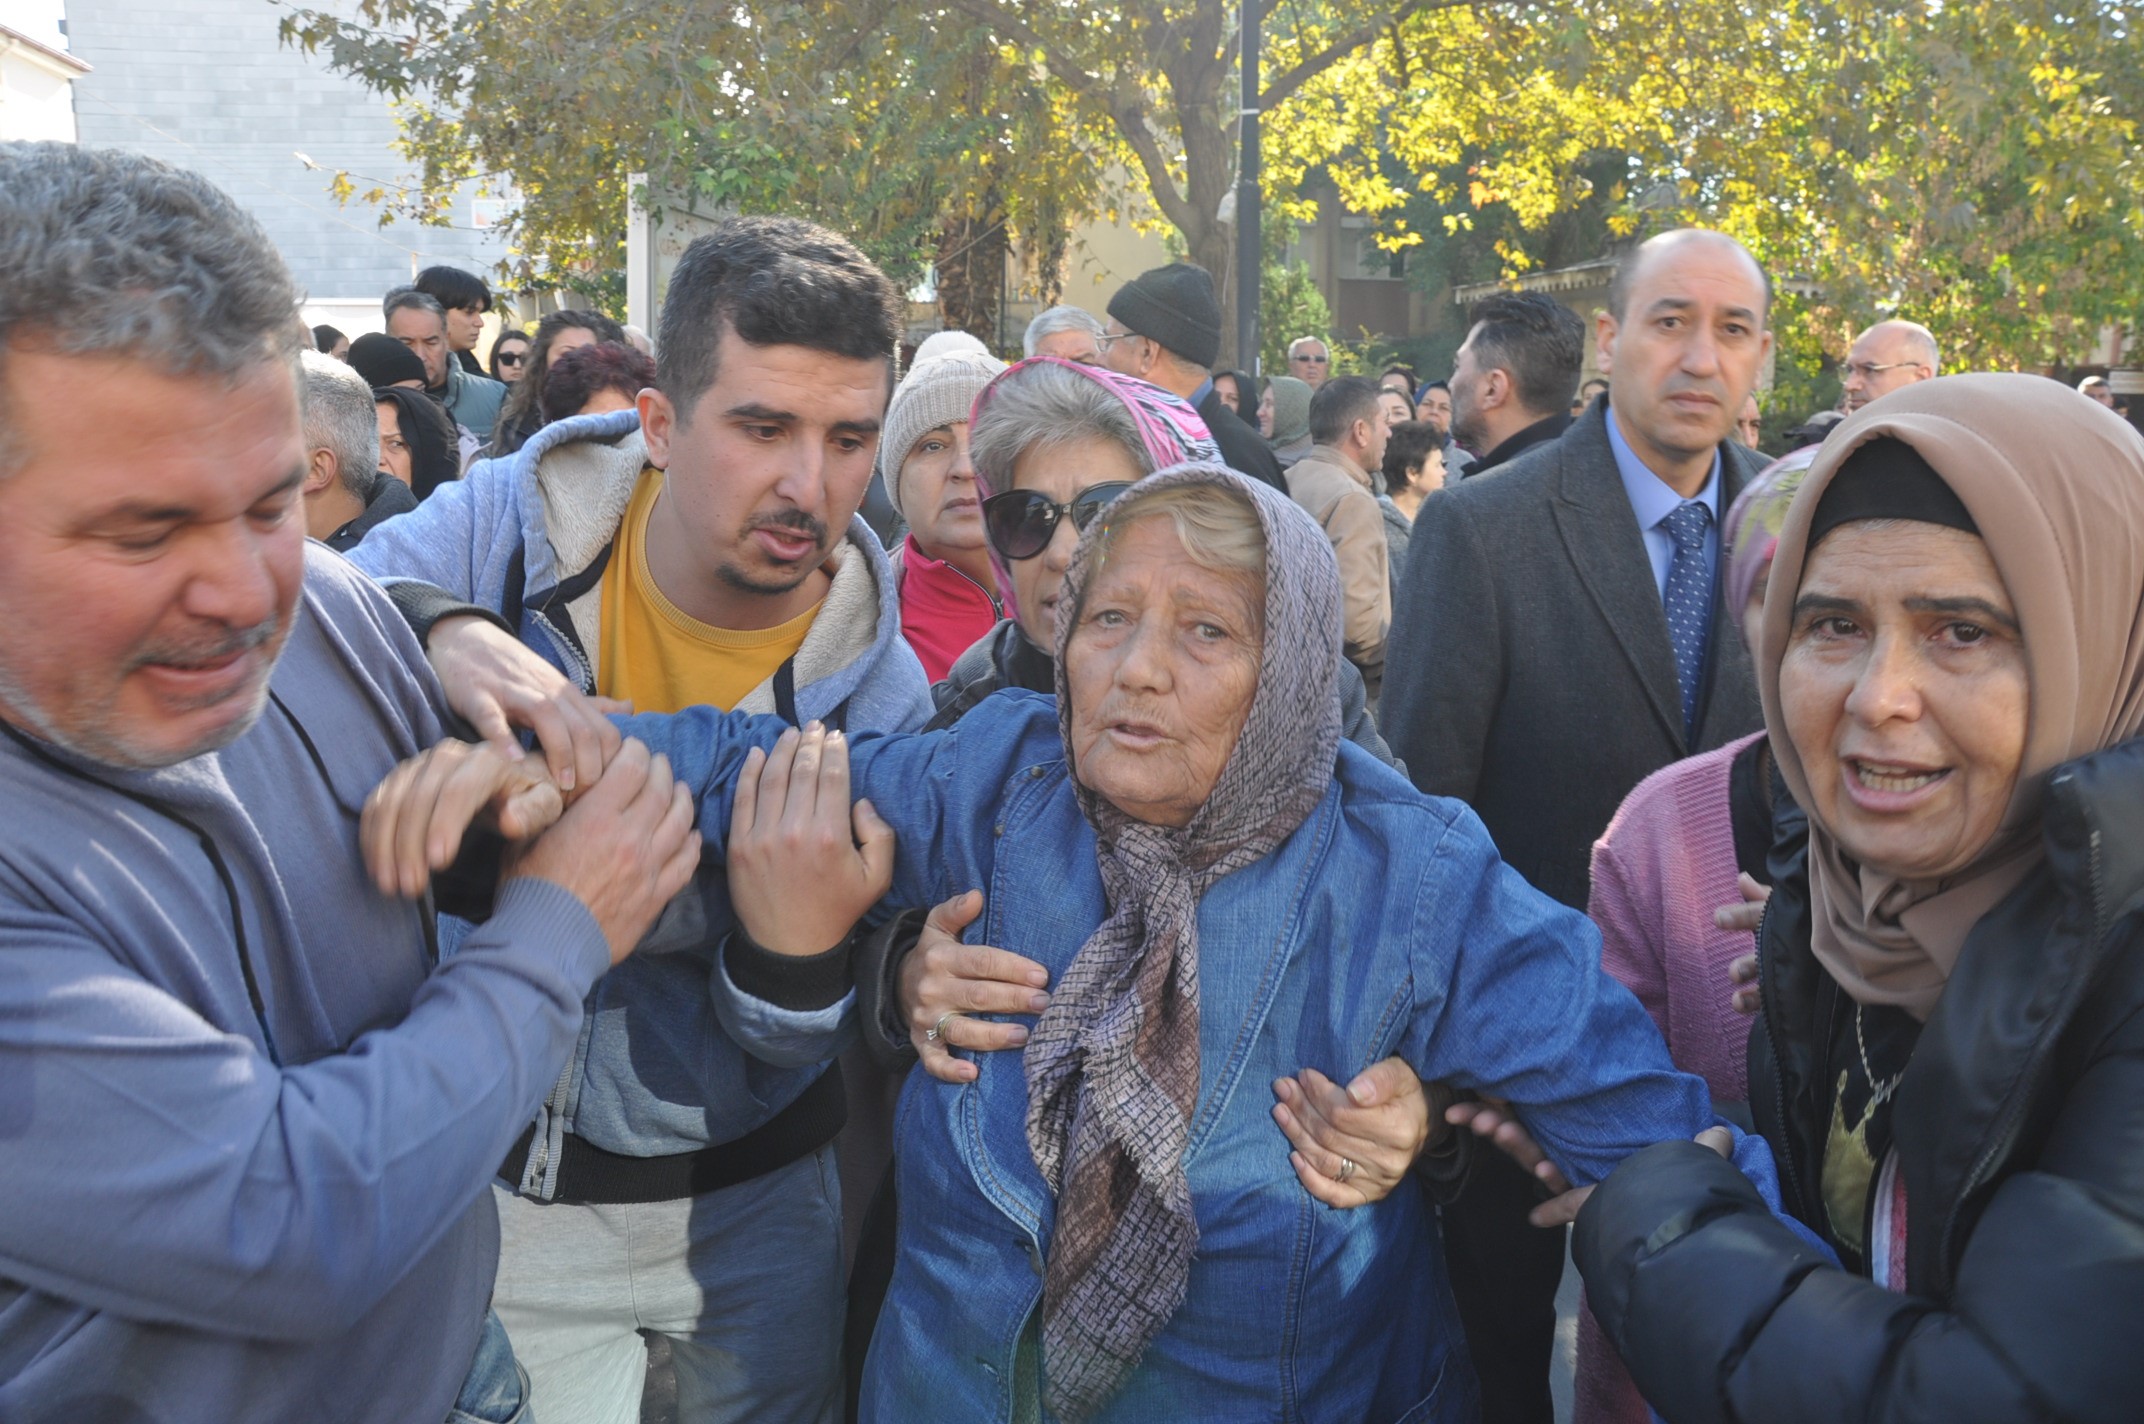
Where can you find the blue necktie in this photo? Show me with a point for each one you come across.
(1688, 601)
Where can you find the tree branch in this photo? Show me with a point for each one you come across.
(1060, 64)
(1302, 72)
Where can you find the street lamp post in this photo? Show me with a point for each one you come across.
(1250, 255)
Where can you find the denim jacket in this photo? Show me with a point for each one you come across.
(1385, 924)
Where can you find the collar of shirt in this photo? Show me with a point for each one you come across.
(1652, 499)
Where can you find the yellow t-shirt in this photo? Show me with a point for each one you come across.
(660, 659)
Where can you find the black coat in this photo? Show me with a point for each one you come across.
(1243, 449)
(1529, 672)
(2019, 1129)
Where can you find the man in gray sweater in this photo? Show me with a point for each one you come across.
(247, 1117)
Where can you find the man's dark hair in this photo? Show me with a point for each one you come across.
(775, 282)
(1338, 404)
(410, 299)
(1538, 339)
(325, 337)
(1445, 386)
(1411, 443)
(455, 289)
(580, 373)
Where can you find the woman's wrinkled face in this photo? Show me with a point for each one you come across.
(1905, 694)
(1059, 472)
(938, 492)
(1161, 671)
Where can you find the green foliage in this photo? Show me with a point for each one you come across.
(1969, 163)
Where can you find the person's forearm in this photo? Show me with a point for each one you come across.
(287, 1202)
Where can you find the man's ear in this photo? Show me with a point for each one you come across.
(1496, 389)
(321, 468)
(658, 423)
(1605, 328)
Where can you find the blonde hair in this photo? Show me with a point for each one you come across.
(1218, 527)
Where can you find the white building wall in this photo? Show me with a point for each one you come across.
(207, 84)
(34, 100)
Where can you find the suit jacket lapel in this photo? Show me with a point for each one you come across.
(1600, 531)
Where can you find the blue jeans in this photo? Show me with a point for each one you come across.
(496, 1391)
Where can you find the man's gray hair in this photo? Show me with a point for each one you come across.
(338, 412)
(1037, 407)
(410, 299)
(1301, 340)
(110, 253)
(1048, 323)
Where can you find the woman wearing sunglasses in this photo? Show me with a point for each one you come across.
(1052, 443)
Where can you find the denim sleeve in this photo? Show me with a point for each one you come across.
(1509, 999)
(907, 776)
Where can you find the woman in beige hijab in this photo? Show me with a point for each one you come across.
(1949, 1067)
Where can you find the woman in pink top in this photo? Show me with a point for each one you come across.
(1678, 880)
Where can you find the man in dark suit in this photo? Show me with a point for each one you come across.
(1557, 639)
(1165, 327)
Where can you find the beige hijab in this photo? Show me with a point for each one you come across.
(2055, 482)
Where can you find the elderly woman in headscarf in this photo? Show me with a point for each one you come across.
(1951, 1044)
(1220, 889)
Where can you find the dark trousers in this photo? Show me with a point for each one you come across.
(1504, 1273)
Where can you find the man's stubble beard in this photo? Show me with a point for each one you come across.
(99, 742)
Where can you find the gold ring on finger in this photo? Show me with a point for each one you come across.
(937, 1030)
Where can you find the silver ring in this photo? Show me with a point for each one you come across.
(937, 1030)
(1347, 1169)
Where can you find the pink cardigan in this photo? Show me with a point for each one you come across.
(1664, 864)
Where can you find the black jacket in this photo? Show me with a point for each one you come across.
(2019, 1129)
(1243, 449)
(389, 498)
(1530, 673)
(1539, 433)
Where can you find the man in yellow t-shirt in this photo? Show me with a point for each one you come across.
(703, 548)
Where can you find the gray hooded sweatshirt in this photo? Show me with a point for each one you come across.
(245, 1167)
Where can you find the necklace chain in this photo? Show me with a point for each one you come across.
(1879, 1092)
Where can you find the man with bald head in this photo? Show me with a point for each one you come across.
(1888, 355)
(1556, 640)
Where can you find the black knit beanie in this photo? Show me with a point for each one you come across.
(1176, 307)
(384, 361)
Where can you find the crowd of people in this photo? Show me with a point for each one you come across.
(1091, 888)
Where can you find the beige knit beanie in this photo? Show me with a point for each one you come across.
(939, 391)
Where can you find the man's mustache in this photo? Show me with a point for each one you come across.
(191, 652)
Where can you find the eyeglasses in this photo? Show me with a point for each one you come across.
(1021, 523)
(512, 358)
(1108, 339)
(1310, 360)
(1866, 369)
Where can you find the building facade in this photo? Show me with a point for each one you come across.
(208, 85)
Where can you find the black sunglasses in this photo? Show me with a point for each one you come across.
(512, 358)
(1021, 523)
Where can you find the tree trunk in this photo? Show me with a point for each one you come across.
(971, 275)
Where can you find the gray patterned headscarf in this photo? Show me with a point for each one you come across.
(1113, 1066)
